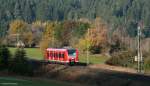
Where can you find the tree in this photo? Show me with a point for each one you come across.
(17, 27)
(48, 36)
(84, 44)
(28, 13)
(95, 38)
(43, 10)
(4, 56)
(98, 36)
(20, 30)
(17, 10)
(37, 29)
(28, 39)
(20, 63)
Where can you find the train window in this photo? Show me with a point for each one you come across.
(47, 54)
(59, 55)
(62, 55)
(72, 52)
(56, 55)
(53, 54)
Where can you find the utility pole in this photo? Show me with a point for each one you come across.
(53, 39)
(140, 64)
(53, 36)
(138, 56)
(87, 51)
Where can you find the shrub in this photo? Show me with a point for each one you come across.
(20, 63)
(95, 49)
(121, 59)
(4, 56)
(146, 61)
(147, 64)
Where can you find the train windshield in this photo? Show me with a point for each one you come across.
(72, 52)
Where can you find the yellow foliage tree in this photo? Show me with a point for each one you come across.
(84, 44)
(17, 27)
(48, 36)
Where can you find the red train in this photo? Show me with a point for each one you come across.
(62, 55)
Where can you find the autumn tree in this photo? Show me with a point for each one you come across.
(84, 43)
(119, 41)
(48, 36)
(17, 27)
(68, 29)
(97, 37)
(22, 32)
(68, 33)
(37, 29)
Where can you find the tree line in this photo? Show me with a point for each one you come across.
(82, 34)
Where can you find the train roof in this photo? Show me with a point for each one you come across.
(58, 49)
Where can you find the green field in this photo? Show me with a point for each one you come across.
(9, 81)
(94, 59)
(35, 53)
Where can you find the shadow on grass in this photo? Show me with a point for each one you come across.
(80, 73)
(40, 62)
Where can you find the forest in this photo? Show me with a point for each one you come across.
(122, 14)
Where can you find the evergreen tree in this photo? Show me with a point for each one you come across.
(4, 56)
(20, 64)
(17, 11)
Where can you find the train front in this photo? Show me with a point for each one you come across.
(73, 56)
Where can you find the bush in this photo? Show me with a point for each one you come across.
(121, 59)
(147, 64)
(95, 49)
(4, 56)
(20, 63)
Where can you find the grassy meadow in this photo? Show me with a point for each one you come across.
(32, 53)
(36, 53)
